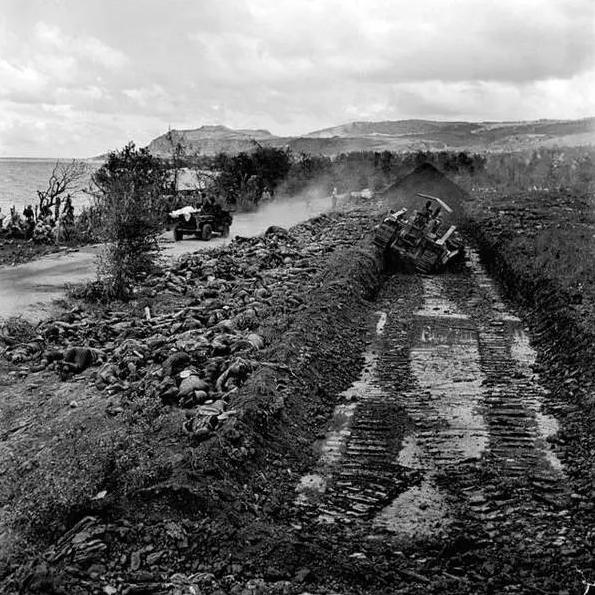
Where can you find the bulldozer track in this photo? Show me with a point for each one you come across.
(447, 393)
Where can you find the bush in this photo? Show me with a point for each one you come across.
(244, 177)
(128, 196)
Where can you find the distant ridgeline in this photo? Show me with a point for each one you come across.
(402, 135)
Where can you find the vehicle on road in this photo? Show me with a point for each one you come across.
(202, 222)
(419, 240)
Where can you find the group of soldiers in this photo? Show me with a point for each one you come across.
(43, 225)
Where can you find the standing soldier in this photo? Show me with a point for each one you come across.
(334, 198)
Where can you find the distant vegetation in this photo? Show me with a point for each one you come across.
(245, 177)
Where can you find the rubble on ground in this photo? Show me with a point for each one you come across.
(191, 339)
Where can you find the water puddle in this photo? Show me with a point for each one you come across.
(445, 406)
(446, 364)
(421, 512)
(434, 302)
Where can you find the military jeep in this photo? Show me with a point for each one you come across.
(201, 222)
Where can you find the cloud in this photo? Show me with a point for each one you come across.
(290, 66)
(79, 47)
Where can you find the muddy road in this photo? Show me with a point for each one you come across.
(29, 289)
(445, 430)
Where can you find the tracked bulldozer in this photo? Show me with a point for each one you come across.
(419, 240)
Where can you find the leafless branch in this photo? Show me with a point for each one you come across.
(65, 178)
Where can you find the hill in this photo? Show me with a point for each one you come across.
(400, 135)
(209, 140)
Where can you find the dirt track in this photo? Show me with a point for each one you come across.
(447, 396)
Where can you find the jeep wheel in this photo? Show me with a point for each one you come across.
(207, 231)
(178, 234)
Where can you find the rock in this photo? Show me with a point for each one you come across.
(302, 575)
(97, 569)
(210, 409)
(220, 345)
(135, 560)
(154, 557)
(227, 326)
(256, 340)
(200, 427)
(191, 341)
(155, 342)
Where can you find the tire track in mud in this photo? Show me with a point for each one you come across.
(358, 470)
(518, 429)
(447, 392)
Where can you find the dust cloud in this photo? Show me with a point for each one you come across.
(284, 212)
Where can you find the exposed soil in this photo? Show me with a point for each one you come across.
(13, 252)
(395, 435)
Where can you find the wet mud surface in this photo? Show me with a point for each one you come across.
(446, 435)
(443, 386)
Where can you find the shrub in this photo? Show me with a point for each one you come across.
(244, 177)
(128, 191)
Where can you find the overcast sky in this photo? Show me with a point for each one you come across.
(79, 77)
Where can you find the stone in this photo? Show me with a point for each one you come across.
(256, 340)
(302, 575)
(135, 560)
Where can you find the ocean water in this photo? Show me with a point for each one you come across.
(21, 178)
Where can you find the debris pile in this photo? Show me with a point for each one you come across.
(193, 336)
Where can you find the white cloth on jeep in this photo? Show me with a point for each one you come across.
(187, 212)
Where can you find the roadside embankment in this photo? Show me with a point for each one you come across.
(16, 251)
(541, 248)
(200, 401)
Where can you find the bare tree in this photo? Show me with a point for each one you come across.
(66, 178)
